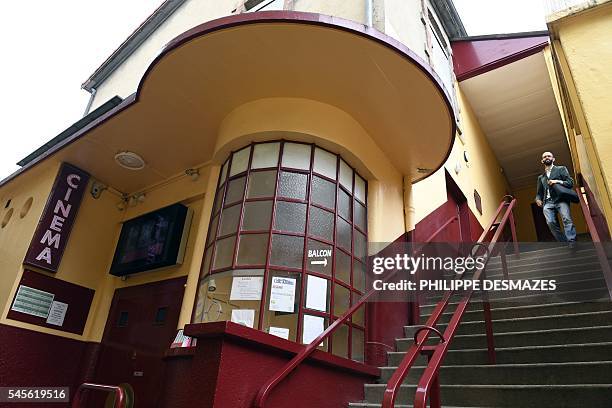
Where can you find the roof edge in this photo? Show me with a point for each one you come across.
(256, 18)
(508, 36)
(449, 16)
(574, 10)
(75, 127)
(132, 43)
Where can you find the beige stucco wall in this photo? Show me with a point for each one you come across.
(400, 19)
(482, 173)
(124, 80)
(582, 45)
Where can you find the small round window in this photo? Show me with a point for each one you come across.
(6, 218)
(25, 209)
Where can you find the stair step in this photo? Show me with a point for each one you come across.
(533, 265)
(587, 319)
(524, 338)
(516, 374)
(546, 255)
(474, 311)
(551, 273)
(519, 355)
(591, 291)
(515, 396)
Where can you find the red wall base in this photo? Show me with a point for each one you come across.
(231, 363)
(32, 359)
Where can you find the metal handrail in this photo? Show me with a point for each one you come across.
(601, 253)
(120, 397)
(266, 389)
(430, 375)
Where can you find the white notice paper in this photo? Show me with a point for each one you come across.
(313, 326)
(245, 317)
(246, 288)
(57, 313)
(282, 294)
(316, 293)
(279, 332)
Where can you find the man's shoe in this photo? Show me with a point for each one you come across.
(572, 246)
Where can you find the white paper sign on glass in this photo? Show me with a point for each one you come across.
(313, 326)
(57, 313)
(316, 293)
(282, 294)
(279, 332)
(245, 317)
(246, 288)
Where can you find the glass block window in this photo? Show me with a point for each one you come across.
(287, 245)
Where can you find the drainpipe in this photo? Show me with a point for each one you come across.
(368, 12)
(91, 99)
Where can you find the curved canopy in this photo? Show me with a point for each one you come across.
(207, 72)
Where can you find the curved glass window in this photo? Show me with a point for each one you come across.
(287, 245)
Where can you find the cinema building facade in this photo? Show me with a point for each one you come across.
(234, 163)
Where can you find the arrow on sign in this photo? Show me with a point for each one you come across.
(323, 262)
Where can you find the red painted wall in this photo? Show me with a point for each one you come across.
(29, 358)
(231, 362)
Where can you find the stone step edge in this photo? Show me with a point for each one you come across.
(536, 306)
(566, 329)
(508, 365)
(521, 348)
(571, 272)
(555, 293)
(562, 261)
(530, 318)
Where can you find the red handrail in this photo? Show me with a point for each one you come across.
(429, 378)
(266, 389)
(601, 254)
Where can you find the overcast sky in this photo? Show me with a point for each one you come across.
(51, 47)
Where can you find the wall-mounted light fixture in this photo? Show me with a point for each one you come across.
(193, 173)
(97, 188)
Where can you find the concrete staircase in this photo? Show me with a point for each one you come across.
(552, 350)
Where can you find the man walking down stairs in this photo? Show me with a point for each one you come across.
(552, 351)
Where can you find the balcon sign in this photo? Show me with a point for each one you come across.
(51, 236)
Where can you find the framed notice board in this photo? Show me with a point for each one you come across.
(50, 302)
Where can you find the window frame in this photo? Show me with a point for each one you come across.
(208, 269)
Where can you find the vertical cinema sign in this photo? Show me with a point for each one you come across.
(51, 236)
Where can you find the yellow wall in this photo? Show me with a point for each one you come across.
(481, 173)
(581, 47)
(15, 237)
(335, 130)
(91, 245)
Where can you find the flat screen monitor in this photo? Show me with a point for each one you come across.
(152, 241)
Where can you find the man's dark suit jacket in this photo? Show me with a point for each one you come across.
(556, 173)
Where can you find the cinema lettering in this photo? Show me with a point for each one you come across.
(51, 236)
